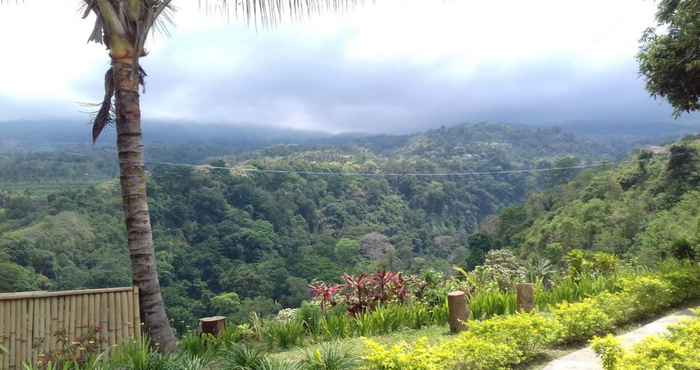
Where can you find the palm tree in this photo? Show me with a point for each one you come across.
(123, 27)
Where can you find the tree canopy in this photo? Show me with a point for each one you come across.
(669, 56)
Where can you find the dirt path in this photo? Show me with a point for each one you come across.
(586, 359)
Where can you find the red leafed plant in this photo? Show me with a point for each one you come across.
(357, 292)
(363, 292)
(324, 293)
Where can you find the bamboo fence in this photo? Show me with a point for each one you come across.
(30, 321)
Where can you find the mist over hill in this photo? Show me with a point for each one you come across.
(32, 136)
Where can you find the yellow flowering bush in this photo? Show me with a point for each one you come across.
(651, 294)
(527, 333)
(582, 320)
(401, 356)
(680, 350)
(505, 341)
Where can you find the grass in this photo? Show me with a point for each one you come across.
(435, 334)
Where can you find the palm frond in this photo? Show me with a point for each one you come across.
(270, 13)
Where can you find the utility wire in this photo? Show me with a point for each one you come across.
(383, 174)
(391, 174)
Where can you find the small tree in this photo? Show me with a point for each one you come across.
(669, 57)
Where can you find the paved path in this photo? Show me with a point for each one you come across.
(586, 359)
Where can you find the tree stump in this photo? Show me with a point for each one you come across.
(458, 312)
(213, 325)
(526, 297)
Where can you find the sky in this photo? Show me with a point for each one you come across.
(387, 66)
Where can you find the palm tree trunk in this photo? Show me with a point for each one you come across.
(135, 201)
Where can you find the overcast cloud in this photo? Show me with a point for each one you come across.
(396, 65)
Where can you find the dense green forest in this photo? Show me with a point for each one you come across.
(258, 239)
(266, 236)
(646, 209)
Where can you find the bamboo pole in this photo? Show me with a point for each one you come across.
(112, 319)
(124, 310)
(71, 318)
(33, 321)
(100, 317)
(43, 330)
(61, 317)
(13, 334)
(4, 334)
(22, 332)
(117, 317)
(137, 312)
(130, 314)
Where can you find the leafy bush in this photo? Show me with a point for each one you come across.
(581, 264)
(489, 303)
(336, 325)
(284, 334)
(332, 356)
(527, 333)
(196, 345)
(137, 355)
(571, 290)
(609, 350)
(310, 314)
(467, 351)
(363, 292)
(582, 320)
(491, 344)
(73, 352)
(502, 269)
(650, 294)
(678, 350)
(243, 358)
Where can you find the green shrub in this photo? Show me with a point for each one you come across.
(505, 341)
(680, 349)
(283, 334)
(660, 353)
(310, 314)
(684, 279)
(609, 350)
(137, 355)
(243, 358)
(489, 303)
(196, 345)
(336, 325)
(331, 356)
(619, 307)
(401, 356)
(527, 333)
(582, 320)
(467, 351)
(490, 344)
(651, 294)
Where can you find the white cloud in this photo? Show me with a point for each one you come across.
(458, 46)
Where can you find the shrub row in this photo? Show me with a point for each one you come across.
(505, 341)
(680, 349)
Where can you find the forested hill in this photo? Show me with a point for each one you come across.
(262, 237)
(646, 209)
